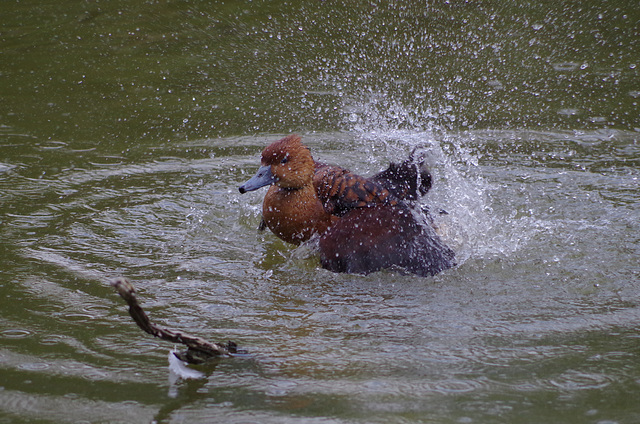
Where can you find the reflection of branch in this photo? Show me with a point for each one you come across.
(198, 350)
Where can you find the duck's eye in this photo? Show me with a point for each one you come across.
(285, 160)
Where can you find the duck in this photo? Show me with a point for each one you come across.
(363, 224)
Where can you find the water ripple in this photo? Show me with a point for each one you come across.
(458, 385)
(15, 333)
(576, 380)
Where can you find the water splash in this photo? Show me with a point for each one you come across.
(460, 200)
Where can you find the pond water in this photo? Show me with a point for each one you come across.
(125, 130)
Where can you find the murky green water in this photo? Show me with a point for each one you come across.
(125, 130)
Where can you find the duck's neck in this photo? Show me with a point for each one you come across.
(293, 194)
(290, 189)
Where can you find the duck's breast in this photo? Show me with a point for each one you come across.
(294, 215)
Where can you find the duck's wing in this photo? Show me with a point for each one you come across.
(340, 190)
(407, 180)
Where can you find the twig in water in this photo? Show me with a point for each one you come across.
(198, 349)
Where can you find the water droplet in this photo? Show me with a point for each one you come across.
(565, 66)
(568, 112)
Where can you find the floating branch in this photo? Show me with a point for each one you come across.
(198, 349)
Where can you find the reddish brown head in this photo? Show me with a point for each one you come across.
(290, 162)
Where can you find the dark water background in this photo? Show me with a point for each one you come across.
(126, 127)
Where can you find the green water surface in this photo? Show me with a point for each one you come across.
(126, 128)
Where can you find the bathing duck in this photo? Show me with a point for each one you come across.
(363, 224)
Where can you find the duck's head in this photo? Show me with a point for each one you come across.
(286, 163)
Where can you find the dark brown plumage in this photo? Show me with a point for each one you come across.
(363, 224)
(369, 239)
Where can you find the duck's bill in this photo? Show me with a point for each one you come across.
(263, 177)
